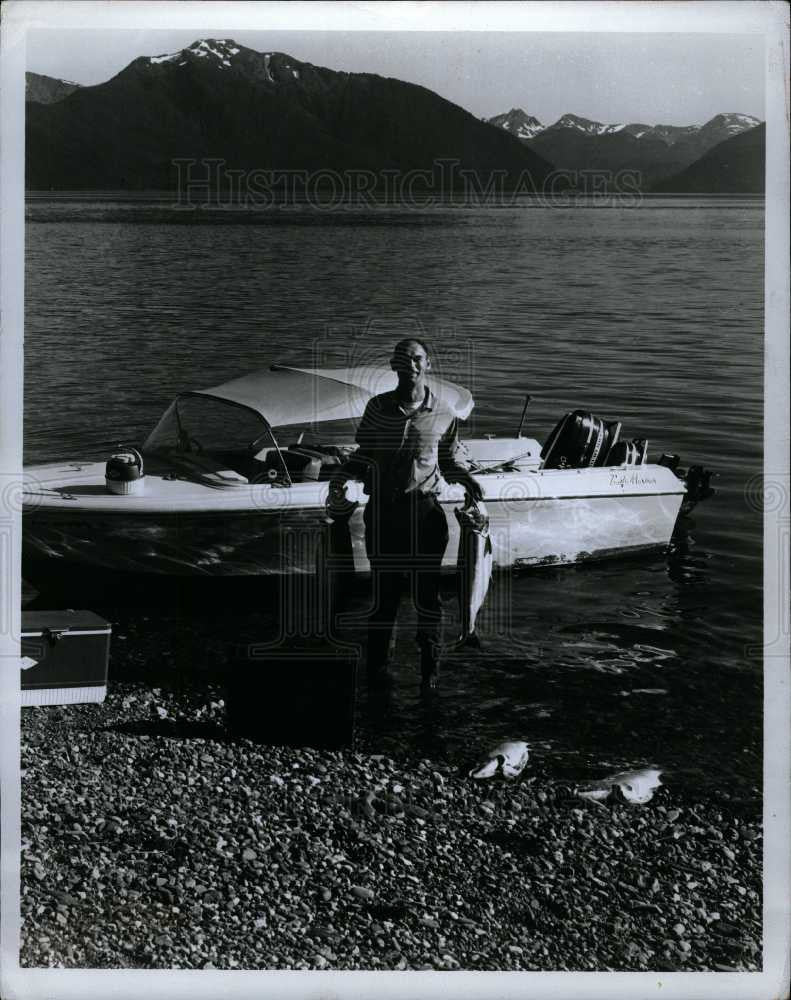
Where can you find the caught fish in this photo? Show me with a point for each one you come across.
(335, 564)
(507, 759)
(474, 565)
(637, 787)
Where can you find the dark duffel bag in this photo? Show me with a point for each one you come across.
(578, 441)
(298, 693)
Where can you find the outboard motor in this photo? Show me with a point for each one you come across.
(625, 453)
(578, 441)
(696, 479)
(698, 483)
(669, 461)
(123, 473)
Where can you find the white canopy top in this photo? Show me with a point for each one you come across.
(285, 395)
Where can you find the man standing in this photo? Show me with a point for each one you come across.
(408, 441)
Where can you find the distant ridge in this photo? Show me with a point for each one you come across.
(257, 111)
(735, 166)
(47, 89)
(651, 152)
(722, 125)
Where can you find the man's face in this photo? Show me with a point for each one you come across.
(410, 361)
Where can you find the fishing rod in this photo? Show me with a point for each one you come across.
(505, 466)
(528, 397)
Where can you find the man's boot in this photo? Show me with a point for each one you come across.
(429, 667)
(377, 671)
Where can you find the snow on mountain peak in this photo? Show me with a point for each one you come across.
(526, 127)
(732, 122)
(224, 53)
(586, 125)
(222, 50)
(582, 124)
(518, 123)
(167, 57)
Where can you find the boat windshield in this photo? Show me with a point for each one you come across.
(231, 444)
(205, 424)
(317, 433)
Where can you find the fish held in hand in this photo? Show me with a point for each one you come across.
(506, 759)
(474, 566)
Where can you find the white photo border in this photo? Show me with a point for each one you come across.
(769, 19)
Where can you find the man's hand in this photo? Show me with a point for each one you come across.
(337, 501)
(471, 485)
(337, 492)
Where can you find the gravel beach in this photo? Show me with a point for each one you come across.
(152, 840)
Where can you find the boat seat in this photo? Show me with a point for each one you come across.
(208, 470)
(305, 463)
(267, 467)
(327, 457)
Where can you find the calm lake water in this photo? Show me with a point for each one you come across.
(651, 314)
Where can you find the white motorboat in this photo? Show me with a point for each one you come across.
(233, 481)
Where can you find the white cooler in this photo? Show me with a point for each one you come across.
(64, 657)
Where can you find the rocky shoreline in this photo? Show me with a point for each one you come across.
(151, 840)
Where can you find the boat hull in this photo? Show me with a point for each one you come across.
(536, 519)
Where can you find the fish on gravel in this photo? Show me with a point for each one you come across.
(637, 787)
(506, 759)
(474, 565)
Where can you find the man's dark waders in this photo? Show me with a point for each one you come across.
(405, 539)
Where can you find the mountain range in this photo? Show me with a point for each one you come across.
(270, 112)
(737, 164)
(257, 112)
(654, 152)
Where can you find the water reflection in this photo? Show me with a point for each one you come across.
(612, 662)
